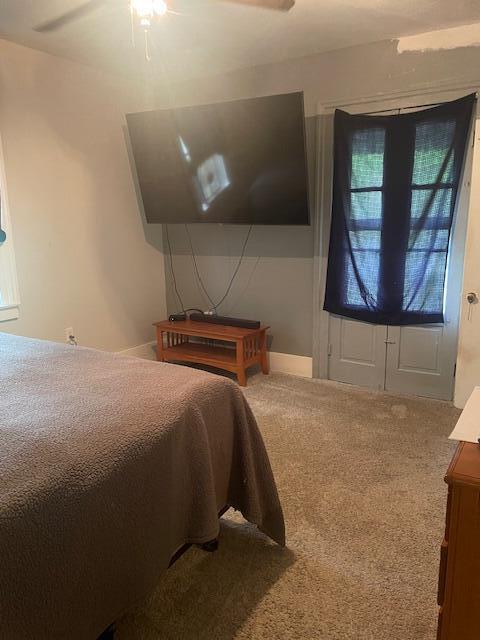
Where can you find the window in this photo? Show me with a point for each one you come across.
(9, 297)
(366, 212)
(396, 180)
(432, 201)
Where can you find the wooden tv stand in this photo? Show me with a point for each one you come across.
(174, 343)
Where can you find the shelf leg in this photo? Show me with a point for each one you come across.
(264, 354)
(160, 345)
(241, 375)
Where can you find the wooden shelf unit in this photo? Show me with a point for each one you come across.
(249, 346)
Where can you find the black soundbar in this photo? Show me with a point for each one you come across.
(225, 320)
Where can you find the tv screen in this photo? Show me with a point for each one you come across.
(239, 162)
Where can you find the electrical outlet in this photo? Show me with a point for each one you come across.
(70, 336)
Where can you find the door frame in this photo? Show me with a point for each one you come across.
(324, 187)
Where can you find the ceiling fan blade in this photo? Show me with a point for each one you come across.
(69, 16)
(277, 5)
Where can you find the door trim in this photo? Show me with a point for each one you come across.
(322, 218)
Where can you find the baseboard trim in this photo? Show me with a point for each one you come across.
(279, 362)
(289, 363)
(145, 351)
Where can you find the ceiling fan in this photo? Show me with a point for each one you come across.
(146, 11)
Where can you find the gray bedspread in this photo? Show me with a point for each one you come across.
(108, 465)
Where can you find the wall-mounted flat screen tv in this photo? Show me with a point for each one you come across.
(240, 162)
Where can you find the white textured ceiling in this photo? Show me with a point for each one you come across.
(211, 37)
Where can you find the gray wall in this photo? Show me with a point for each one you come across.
(275, 281)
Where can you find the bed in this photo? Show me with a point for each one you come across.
(108, 466)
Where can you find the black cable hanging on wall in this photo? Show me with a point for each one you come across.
(195, 266)
(172, 270)
(214, 306)
(242, 255)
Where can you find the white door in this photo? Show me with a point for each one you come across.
(418, 360)
(357, 352)
(421, 359)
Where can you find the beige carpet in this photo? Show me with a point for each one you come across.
(360, 475)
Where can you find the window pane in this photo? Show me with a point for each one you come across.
(365, 236)
(365, 240)
(429, 296)
(440, 206)
(430, 239)
(366, 205)
(432, 143)
(368, 146)
(427, 250)
(366, 212)
(368, 264)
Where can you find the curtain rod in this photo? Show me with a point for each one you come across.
(421, 93)
(417, 106)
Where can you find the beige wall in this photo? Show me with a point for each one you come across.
(81, 253)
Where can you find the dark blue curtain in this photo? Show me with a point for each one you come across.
(396, 181)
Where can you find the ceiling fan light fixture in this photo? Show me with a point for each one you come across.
(144, 13)
(146, 10)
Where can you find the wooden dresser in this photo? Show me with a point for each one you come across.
(459, 579)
